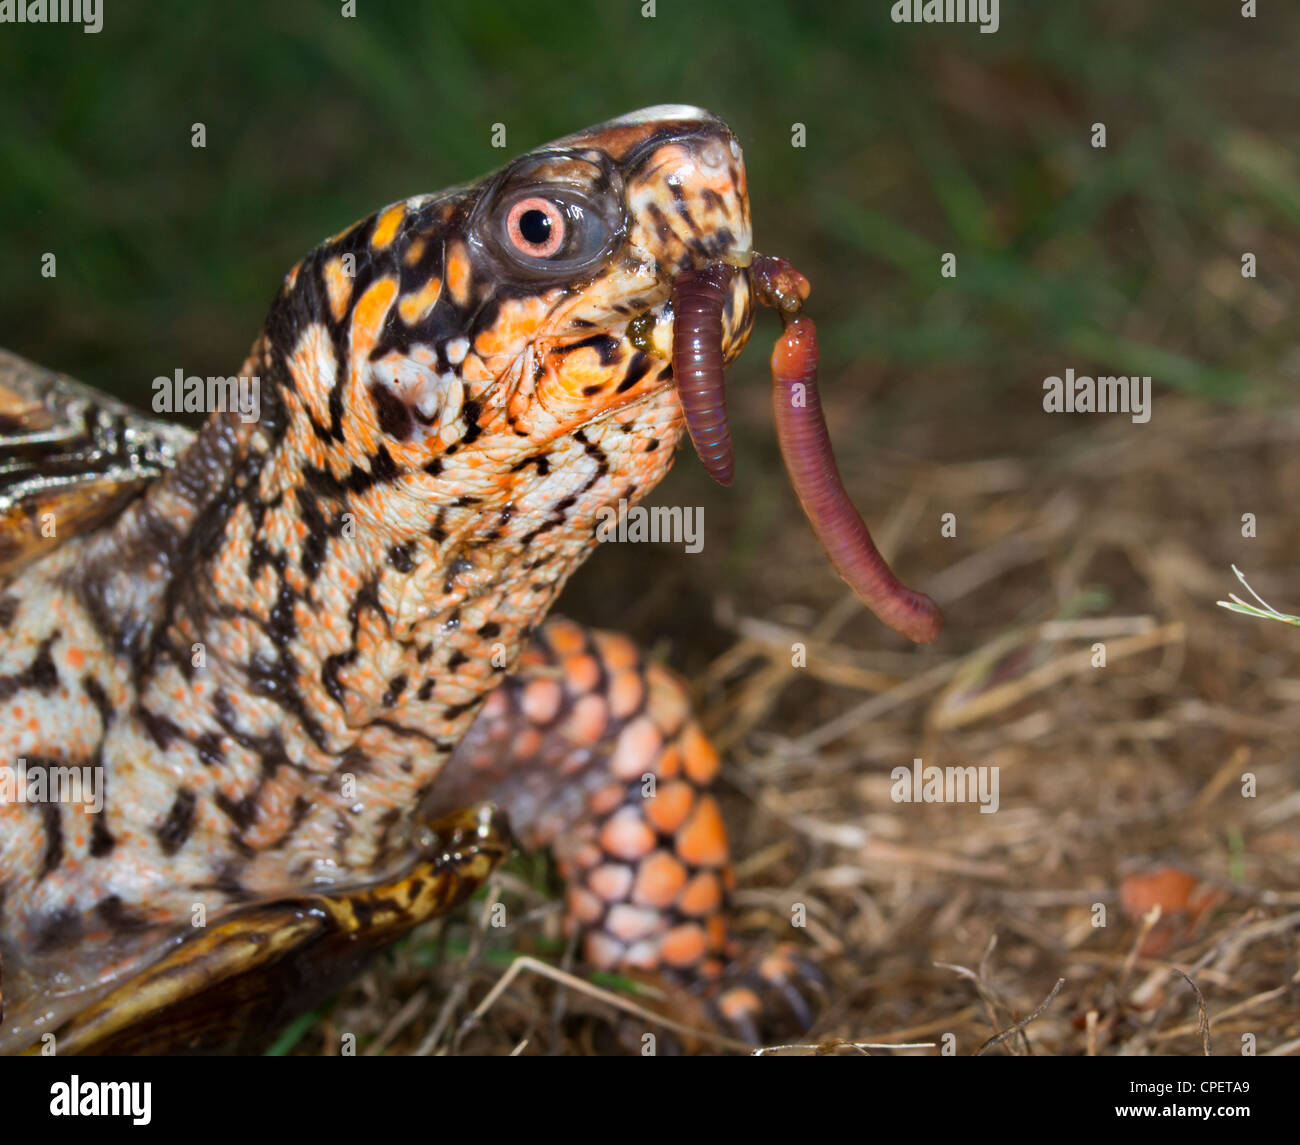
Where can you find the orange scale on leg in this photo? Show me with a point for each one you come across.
(585, 906)
(586, 723)
(581, 673)
(611, 881)
(565, 638)
(626, 835)
(701, 896)
(683, 945)
(629, 923)
(625, 693)
(606, 798)
(541, 700)
(699, 757)
(672, 803)
(702, 841)
(638, 746)
(659, 879)
(618, 652)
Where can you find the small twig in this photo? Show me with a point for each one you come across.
(1020, 1025)
(1202, 1012)
(1234, 603)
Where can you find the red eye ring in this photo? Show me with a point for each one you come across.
(524, 231)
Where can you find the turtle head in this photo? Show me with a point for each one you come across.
(533, 304)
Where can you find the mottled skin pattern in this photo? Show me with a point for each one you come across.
(275, 651)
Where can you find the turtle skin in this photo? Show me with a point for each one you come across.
(289, 644)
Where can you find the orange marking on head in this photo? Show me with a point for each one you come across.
(386, 226)
(338, 286)
(458, 272)
(414, 252)
(415, 305)
(76, 657)
(517, 324)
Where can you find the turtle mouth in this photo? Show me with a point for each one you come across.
(698, 301)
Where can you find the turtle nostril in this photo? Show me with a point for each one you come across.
(712, 156)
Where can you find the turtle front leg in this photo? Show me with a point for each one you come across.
(592, 751)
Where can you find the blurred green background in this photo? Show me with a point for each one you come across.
(919, 140)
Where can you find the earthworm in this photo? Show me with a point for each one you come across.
(806, 451)
(698, 299)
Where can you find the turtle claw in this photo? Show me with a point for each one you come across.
(770, 996)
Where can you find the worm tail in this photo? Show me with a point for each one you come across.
(806, 450)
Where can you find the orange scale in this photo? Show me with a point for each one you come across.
(683, 945)
(701, 896)
(586, 723)
(629, 923)
(618, 652)
(585, 906)
(625, 693)
(527, 744)
(607, 798)
(638, 745)
(626, 835)
(581, 673)
(699, 756)
(671, 804)
(702, 841)
(565, 638)
(659, 879)
(611, 881)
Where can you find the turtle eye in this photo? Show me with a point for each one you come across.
(555, 233)
(536, 227)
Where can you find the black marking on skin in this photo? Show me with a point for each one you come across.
(399, 556)
(161, 730)
(175, 829)
(637, 368)
(240, 812)
(114, 912)
(434, 467)
(95, 693)
(541, 460)
(208, 745)
(53, 837)
(396, 686)
(426, 690)
(8, 610)
(469, 414)
(606, 346)
(456, 659)
(40, 675)
(102, 841)
(61, 928)
(393, 414)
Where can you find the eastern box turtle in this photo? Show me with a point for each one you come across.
(298, 660)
